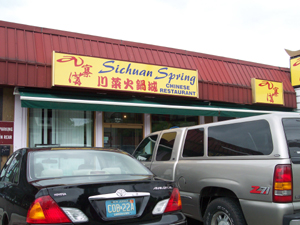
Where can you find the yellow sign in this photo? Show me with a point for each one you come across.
(295, 71)
(108, 74)
(269, 92)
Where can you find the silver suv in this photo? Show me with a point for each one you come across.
(242, 171)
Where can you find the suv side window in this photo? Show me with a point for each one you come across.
(240, 139)
(292, 132)
(165, 146)
(194, 144)
(144, 151)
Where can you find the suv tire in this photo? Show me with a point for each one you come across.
(224, 211)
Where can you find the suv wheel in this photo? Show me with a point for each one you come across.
(224, 211)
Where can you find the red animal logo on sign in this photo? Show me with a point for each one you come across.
(75, 77)
(270, 85)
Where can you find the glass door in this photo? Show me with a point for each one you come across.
(123, 130)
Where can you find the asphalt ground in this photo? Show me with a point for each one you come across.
(191, 221)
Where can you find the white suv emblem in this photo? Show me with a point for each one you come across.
(121, 192)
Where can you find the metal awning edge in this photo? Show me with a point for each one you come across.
(146, 105)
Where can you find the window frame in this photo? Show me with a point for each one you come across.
(6, 167)
(153, 149)
(241, 153)
(159, 143)
(18, 165)
(203, 143)
(48, 133)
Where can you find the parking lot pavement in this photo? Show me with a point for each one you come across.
(193, 222)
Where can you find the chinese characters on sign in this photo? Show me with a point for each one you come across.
(269, 92)
(295, 71)
(6, 133)
(98, 73)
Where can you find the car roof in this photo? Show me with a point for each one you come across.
(75, 149)
(233, 121)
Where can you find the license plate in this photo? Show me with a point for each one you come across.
(121, 207)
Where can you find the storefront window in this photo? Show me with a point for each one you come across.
(123, 130)
(60, 128)
(221, 118)
(162, 122)
(116, 117)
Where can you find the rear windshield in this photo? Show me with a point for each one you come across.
(292, 134)
(62, 163)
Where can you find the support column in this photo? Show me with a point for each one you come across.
(147, 124)
(20, 125)
(99, 129)
(202, 119)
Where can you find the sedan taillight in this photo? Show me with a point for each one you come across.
(46, 210)
(174, 203)
(169, 205)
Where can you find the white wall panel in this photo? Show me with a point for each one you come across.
(20, 125)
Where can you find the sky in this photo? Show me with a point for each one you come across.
(251, 30)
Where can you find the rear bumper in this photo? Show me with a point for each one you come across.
(292, 219)
(176, 218)
(267, 213)
(170, 219)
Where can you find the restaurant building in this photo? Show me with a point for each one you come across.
(61, 88)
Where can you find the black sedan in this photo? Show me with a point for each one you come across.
(84, 186)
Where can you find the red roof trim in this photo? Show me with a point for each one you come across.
(26, 58)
